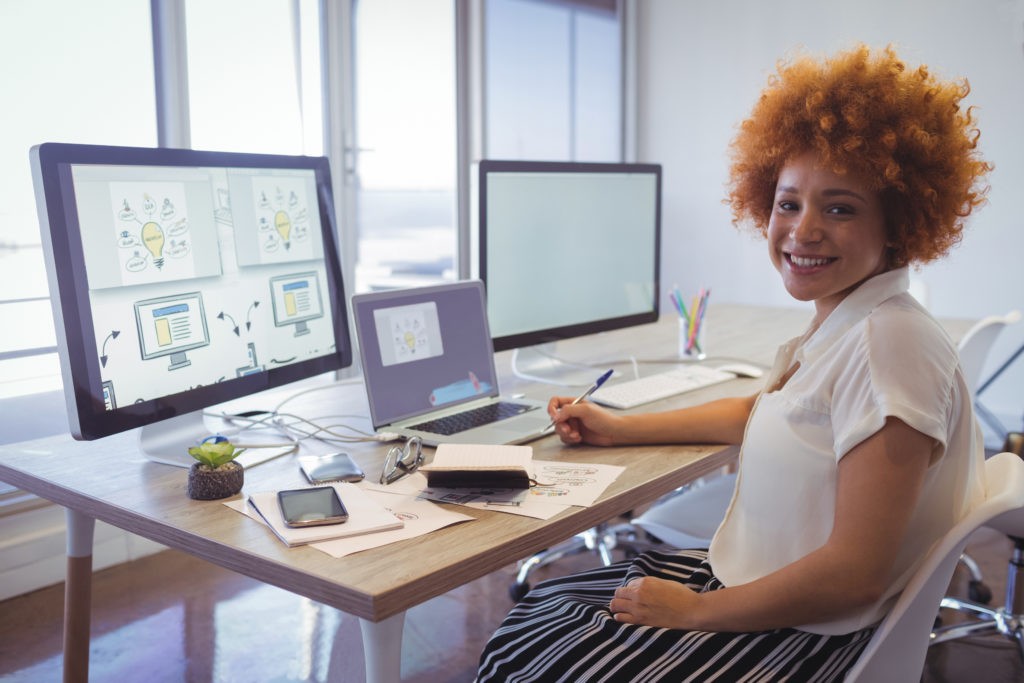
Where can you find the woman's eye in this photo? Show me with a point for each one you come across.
(786, 205)
(840, 210)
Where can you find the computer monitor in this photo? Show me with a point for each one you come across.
(181, 279)
(568, 248)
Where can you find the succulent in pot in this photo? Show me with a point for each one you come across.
(215, 473)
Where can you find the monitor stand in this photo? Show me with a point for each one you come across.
(540, 364)
(168, 441)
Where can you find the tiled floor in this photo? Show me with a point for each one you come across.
(170, 617)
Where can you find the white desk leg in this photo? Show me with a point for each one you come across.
(382, 648)
(78, 596)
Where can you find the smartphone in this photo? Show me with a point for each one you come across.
(320, 469)
(311, 507)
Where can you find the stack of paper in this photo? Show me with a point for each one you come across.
(365, 516)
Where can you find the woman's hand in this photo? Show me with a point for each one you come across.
(651, 601)
(584, 422)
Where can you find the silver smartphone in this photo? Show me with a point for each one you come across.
(320, 469)
(311, 507)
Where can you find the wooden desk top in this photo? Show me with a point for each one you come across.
(109, 480)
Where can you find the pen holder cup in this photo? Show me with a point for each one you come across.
(691, 341)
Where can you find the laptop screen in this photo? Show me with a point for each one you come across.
(424, 349)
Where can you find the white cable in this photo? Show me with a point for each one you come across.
(311, 390)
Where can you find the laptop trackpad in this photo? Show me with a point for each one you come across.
(528, 426)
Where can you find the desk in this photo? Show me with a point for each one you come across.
(108, 480)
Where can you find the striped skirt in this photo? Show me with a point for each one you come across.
(563, 631)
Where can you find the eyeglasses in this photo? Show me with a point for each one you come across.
(402, 461)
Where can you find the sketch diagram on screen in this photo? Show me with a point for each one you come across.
(114, 334)
(108, 395)
(152, 232)
(282, 215)
(222, 206)
(253, 366)
(224, 315)
(171, 326)
(296, 300)
(409, 336)
(408, 333)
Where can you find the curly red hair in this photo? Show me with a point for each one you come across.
(865, 112)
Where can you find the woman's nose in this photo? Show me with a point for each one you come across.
(807, 228)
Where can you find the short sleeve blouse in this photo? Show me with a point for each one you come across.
(878, 354)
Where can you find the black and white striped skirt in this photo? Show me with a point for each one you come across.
(563, 631)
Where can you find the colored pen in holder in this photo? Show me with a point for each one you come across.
(691, 325)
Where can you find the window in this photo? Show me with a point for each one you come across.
(67, 85)
(404, 144)
(254, 76)
(553, 85)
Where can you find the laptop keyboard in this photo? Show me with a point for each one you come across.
(460, 422)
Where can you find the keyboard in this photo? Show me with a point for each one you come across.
(635, 392)
(476, 417)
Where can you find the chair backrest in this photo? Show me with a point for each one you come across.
(977, 342)
(897, 649)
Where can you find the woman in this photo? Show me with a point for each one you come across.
(862, 449)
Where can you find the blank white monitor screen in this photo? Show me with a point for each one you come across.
(568, 249)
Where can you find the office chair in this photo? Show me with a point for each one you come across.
(689, 517)
(974, 349)
(1007, 620)
(897, 649)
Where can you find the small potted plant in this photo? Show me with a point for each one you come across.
(215, 474)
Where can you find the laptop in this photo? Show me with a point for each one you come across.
(428, 364)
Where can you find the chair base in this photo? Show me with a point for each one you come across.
(977, 591)
(989, 622)
(1007, 620)
(602, 539)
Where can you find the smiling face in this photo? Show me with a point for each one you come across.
(826, 234)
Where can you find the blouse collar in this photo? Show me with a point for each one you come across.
(853, 309)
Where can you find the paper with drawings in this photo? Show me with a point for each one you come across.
(420, 516)
(568, 484)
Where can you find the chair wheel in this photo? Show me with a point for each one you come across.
(979, 592)
(518, 591)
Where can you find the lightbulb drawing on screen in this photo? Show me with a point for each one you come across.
(282, 220)
(283, 225)
(153, 239)
(159, 227)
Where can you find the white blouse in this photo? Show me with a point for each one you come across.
(878, 354)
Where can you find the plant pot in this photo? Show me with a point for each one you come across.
(212, 484)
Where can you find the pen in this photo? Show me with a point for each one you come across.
(582, 397)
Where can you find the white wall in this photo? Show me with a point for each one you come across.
(702, 65)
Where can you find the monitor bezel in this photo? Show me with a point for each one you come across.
(80, 359)
(554, 334)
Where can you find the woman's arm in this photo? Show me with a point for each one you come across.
(721, 421)
(878, 486)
